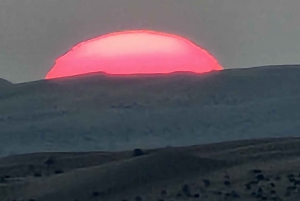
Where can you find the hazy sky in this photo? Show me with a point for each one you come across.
(239, 33)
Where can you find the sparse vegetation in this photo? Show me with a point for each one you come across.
(262, 185)
(163, 192)
(95, 194)
(2, 180)
(260, 177)
(186, 190)
(137, 152)
(138, 198)
(206, 182)
(37, 174)
(49, 161)
(256, 171)
(58, 171)
(227, 183)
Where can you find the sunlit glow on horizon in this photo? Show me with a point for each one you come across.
(134, 52)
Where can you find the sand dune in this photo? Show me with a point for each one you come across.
(159, 173)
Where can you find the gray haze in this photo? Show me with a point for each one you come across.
(33, 33)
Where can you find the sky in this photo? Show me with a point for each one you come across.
(239, 33)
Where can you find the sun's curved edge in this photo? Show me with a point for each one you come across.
(188, 41)
(154, 32)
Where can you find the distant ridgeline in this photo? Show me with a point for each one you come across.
(4, 83)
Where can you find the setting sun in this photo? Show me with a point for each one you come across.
(134, 52)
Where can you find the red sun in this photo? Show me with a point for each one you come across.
(134, 52)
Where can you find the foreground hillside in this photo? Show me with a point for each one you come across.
(264, 169)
